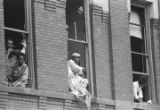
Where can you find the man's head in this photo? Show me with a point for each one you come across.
(21, 58)
(76, 58)
(143, 81)
(84, 75)
(80, 10)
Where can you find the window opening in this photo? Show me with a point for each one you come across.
(75, 20)
(14, 14)
(16, 43)
(78, 43)
(140, 56)
(76, 29)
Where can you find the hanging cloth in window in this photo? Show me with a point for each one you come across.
(135, 30)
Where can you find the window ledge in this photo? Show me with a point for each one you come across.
(51, 94)
(143, 106)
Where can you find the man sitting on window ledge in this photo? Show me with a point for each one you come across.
(19, 75)
(77, 80)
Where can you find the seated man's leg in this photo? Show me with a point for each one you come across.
(23, 83)
(19, 84)
(88, 101)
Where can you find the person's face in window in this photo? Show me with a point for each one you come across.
(10, 44)
(143, 82)
(77, 60)
(21, 60)
(80, 10)
(143, 85)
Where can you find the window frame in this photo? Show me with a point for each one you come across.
(145, 37)
(29, 32)
(88, 46)
(148, 49)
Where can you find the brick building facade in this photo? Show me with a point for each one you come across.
(106, 48)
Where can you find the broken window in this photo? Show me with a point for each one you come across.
(16, 28)
(139, 53)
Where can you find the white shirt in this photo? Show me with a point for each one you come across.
(73, 73)
(73, 68)
(137, 90)
(25, 72)
(83, 82)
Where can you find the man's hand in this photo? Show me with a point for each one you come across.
(84, 70)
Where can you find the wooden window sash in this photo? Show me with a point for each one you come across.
(15, 30)
(138, 53)
(140, 73)
(79, 41)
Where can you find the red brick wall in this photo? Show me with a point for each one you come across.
(100, 34)
(51, 45)
(156, 55)
(158, 78)
(3, 95)
(121, 50)
(22, 102)
(2, 49)
(155, 33)
(56, 104)
(3, 100)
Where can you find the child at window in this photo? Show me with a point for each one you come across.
(21, 72)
